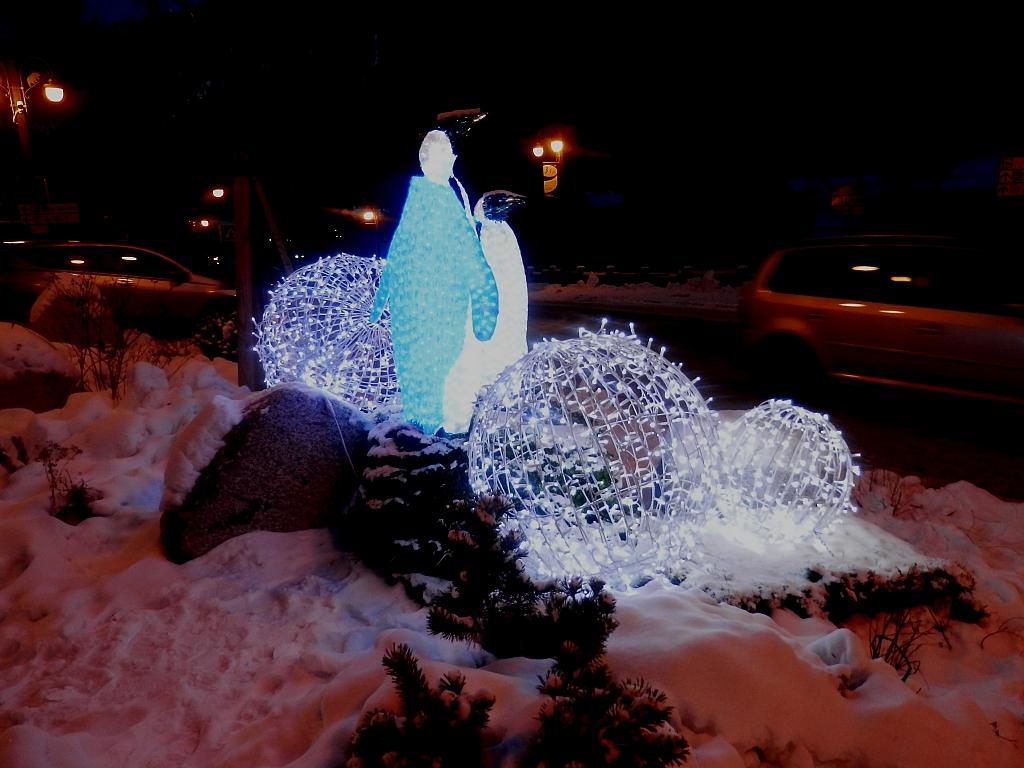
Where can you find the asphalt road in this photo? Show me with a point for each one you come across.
(938, 438)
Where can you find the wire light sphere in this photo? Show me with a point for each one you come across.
(787, 472)
(604, 448)
(316, 330)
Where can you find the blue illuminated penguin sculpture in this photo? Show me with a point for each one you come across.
(435, 273)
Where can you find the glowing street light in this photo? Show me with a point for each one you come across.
(218, 192)
(549, 165)
(53, 92)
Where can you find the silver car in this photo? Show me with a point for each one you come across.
(921, 312)
(146, 289)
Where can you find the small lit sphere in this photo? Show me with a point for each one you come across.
(557, 145)
(53, 92)
(786, 472)
(204, 222)
(604, 448)
(217, 192)
(316, 330)
(538, 151)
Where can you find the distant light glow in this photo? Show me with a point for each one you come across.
(864, 268)
(316, 330)
(901, 279)
(851, 304)
(557, 145)
(218, 192)
(538, 151)
(204, 222)
(53, 92)
(129, 258)
(604, 447)
(786, 472)
(369, 215)
(76, 261)
(892, 311)
(15, 242)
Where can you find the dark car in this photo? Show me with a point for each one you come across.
(922, 312)
(144, 288)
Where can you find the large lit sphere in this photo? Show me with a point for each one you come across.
(604, 448)
(316, 330)
(787, 472)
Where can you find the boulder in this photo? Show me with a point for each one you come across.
(288, 459)
(34, 373)
(36, 391)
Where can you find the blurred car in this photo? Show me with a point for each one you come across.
(922, 312)
(144, 288)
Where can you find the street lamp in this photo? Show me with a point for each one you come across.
(17, 86)
(371, 217)
(551, 160)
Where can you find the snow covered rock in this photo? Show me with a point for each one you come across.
(34, 373)
(284, 460)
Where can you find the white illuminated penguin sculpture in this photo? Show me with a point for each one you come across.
(480, 362)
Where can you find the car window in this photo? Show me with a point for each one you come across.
(974, 281)
(923, 277)
(74, 257)
(97, 259)
(145, 264)
(833, 272)
(942, 277)
(49, 258)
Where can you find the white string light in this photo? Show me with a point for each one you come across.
(604, 447)
(786, 472)
(316, 330)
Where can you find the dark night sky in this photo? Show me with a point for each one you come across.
(687, 120)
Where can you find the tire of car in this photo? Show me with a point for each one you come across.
(216, 332)
(785, 366)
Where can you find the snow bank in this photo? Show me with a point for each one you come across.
(24, 350)
(765, 690)
(701, 296)
(266, 650)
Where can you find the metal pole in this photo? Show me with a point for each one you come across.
(275, 233)
(248, 363)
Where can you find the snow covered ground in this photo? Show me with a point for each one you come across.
(266, 651)
(701, 297)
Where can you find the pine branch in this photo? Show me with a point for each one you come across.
(442, 726)
(404, 670)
